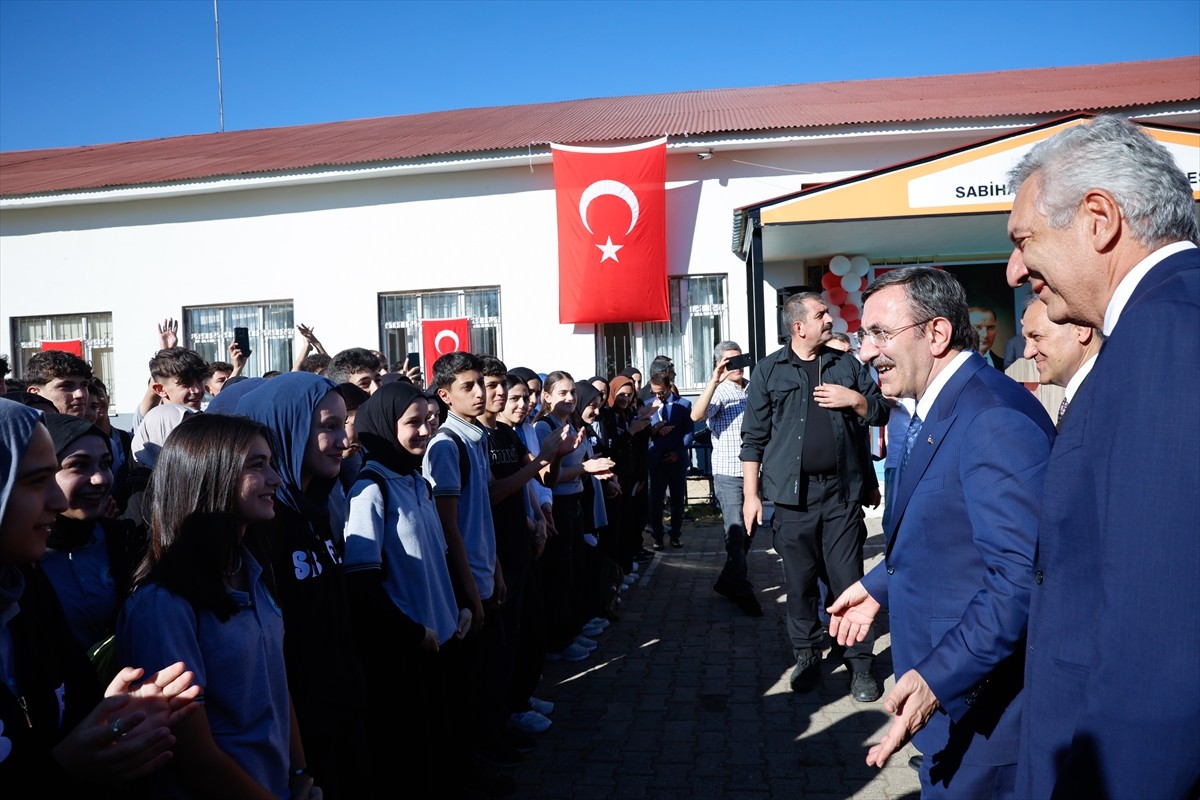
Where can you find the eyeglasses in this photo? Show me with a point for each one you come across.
(881, 338)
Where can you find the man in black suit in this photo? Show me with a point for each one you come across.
(983, 320)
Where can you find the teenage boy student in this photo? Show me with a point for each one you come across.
(356, 365)
(520, 530)
(62, 378)
(176, 376)
(459, 467)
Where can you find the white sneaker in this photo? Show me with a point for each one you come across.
(571, 652)
(601, 621)
(586, 643)
(543, 707)
(529, 722)
(591, 630)
(630, 579)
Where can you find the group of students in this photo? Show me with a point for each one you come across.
(365, 577)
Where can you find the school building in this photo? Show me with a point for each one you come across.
(363, 229)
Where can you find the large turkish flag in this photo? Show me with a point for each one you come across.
(442, 336)
(612, 231)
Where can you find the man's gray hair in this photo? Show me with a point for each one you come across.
(795, 311)
(722, 348)
(1113, 154)
(932, 293)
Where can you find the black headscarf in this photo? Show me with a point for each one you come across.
(375, 425)
(65, 430)
(585, 395)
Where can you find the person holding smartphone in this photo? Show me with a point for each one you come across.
(721, 406)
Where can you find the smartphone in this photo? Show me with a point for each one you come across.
(413, 359)
(241, 337)
(740, 362)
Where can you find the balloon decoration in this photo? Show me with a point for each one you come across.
(843, 286)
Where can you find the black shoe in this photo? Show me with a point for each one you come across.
(499, 758)
(521, 743)
(658, 545)
(676, 543)
(750, 605)
(644, 557)
(807, 671)
(915, 762)
(863, 687)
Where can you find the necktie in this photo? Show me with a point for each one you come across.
(1062, 410)
(910, 438)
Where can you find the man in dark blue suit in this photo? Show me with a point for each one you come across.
(671, 430)
(958, 565)
(1104, 224)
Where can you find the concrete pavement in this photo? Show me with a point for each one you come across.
(687, 698)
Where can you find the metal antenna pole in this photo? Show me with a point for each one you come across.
(220, 91)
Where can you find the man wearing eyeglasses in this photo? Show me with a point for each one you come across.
(957, 572)
(804, 429)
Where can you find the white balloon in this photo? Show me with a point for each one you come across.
(839, 265)
(840, 325)
(851, 282)
(854, 298)
(860, 265)
(834, 311)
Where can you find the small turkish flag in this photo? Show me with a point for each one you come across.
(612, 231)
(72, 346)
(442, 336)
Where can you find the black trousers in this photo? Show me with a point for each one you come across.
(824, 531)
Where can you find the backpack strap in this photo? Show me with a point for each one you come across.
(464, 460)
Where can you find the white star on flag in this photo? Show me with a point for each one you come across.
(610, 251)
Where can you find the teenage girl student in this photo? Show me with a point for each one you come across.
(561, 563)
(202, 596)
(401, 594)
(57, 737)
(307, 418)
(635, 421)
(90, 558)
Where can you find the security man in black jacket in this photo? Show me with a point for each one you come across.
(806, 420)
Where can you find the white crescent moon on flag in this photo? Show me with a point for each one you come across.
(442, 334)
(617, 190)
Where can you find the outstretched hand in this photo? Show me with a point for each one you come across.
(168, 333)
(913, 703)
(852, 614)
(552, 445)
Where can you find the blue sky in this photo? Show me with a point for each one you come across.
(77, 72)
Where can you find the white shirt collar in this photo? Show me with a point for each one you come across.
(1131, 280)
(1077, 379)
(940, 380)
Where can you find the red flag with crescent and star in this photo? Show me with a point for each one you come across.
(612, 233)
(442, 336)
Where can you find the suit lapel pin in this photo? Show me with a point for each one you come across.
(929, 440)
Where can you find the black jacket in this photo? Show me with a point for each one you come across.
(773, 425)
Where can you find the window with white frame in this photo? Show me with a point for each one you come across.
(699, 321)
(209, 329)
(401, 314)
(93, 330)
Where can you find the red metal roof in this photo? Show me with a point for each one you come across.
(1010, 93)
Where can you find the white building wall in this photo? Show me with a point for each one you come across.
(331, 248)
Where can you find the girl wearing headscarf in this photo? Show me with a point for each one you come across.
(307, 418)
(623, 400)
(403, 599)
(90, 558)
(57, 735)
